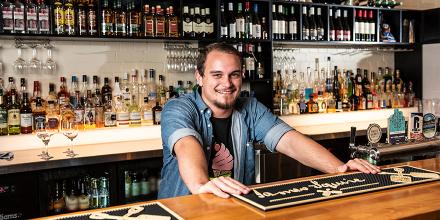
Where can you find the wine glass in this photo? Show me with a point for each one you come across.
(50, 65)
(69, 128)
(19, 64)
(43, 132)
(34, 64)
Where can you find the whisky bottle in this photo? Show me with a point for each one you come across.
(109, 114)
(147, 113)
(134, 113)
(198, 27)
(89, 112)
(25, 115)
(134, 19)
(91, 18)
(39, 113)
(31, 17)
(120, 20)
(108, 19)
(13, 115)
(97, 101)
(7, 8)
(148, 21)
(78, 110)
(63, 95)
(69, 18)
(161, 91)
(81, 18)
(312, 106)
(157, 111)
(106, 91)
(159, 22)
(173, 24)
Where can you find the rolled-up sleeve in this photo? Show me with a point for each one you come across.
(177, 122)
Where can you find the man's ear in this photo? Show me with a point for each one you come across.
(198, 78)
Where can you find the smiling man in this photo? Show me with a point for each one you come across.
(208, 136)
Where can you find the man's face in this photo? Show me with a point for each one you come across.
(221, 83)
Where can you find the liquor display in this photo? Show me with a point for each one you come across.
(140, 184)
(340, 90)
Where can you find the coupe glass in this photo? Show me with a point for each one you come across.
(19, 64)
(69, 128)
(43, 132)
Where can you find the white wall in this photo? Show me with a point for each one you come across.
(431, 71)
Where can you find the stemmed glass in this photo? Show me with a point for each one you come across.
(19, 64)
(69, 128)
(34, 65)
(44, 133)
(50, 65)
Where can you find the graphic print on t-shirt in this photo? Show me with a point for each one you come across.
(223, 162)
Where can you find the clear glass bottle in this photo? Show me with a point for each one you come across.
(31, 17)
(107, 19)
(89, 112)
(81, 18)
(3, 114)
(58, 13)
(91, 18)
(147, 113)
(120, 16)
(69, 18)
(44, 19)
(7, 9)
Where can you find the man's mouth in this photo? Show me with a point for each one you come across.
(228, 91)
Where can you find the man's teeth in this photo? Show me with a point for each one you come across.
(224, 92)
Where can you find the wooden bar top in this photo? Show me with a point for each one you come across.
(420, 201)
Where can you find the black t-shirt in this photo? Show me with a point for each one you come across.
(222, 152)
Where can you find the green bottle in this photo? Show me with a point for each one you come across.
(13, 116)
(3, 116)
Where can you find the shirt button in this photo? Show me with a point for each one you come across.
(209, 125)
(208, 148)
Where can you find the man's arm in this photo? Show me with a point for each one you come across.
(193, 169)
(312, 154)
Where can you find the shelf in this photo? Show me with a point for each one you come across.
(339, 43)
(244, 40)
(335, 5)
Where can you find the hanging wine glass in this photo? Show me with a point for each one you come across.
(43, 132)
(19, 64)
(34, 64)
(50, 65)
(70, 128)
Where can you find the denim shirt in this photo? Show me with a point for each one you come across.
(190, 116)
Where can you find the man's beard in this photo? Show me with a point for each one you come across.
(224, 106)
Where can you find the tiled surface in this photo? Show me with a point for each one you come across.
(431, 71)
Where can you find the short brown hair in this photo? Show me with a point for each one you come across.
(222, 47)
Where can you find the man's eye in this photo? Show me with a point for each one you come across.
(236, 75)
(217, 76)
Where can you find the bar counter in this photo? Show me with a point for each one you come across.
(420, 201)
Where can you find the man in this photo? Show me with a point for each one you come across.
(207, 136)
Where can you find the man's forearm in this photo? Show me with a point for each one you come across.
(308, 152)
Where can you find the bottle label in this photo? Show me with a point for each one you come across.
(26, 120)
(52, 122)
(347, 35)
(332, 35)
(232, 30)
(250, 63)
(79, 114)
(3, 118)
(135, 189)
(373, 28)
(69, 15)
(187, 25)
(275, 29)
(366, 27)
(135, 116)
(109, 119)
(224, 31)
(339, 35)
(256, 31)
(173, 30)
(19, 19)
(160, 27)
(89, 116)
(43, 17)
(293, 27)
(14, 117)
(209, 28)
(31, 20)
(122, 118)
(281, 27)
(8, 23)
(84, 202)
(157, 116)
(357, 27)
(71, 203)
(240, 25)
(148, 115)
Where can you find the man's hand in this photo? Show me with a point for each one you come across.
(358, 164)
(223, 186)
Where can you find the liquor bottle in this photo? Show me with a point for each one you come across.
(31, 17)
(275, 26)
(312, 106)
(94, 194)
(58, 12)
(336, 88)
(78, 110)
(357, 26)
(305, 26)
(248, 22)
(149, 21)
(347, 28)
(320, 25)
(125, 88)
(23, 89)
(264, 31)
(89, 112)
(25, 115)
(367, 31)
(338, 26)
(18, 14)
(134, 113)
(240, 21)
(84, 88)
(282, 19)
(157, 111)
(107, 20)
(3, 114)
(84, 197)
(223, 23)
(69, 17)
(81, 18)
(256, 24)
(332, 28)
(187, 23)
(372, 28)
(209, 23)
(120, 16)
(97, 101)
(260, 62)
(13, 115)
(7, 8)
(146, 113)
(58, 199)
(179, 88)
(152, 87)
(161, 91)
(173, 24)
(202, 33)
(134, 21)
(313, 29)
(91, 18)
(109, 114)
(39, 113)
(293, 25)
(159, 22)
(232, 22)
(106, 91)
(122, 116)
(249, 62)
(71, 198)
(63, 95)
